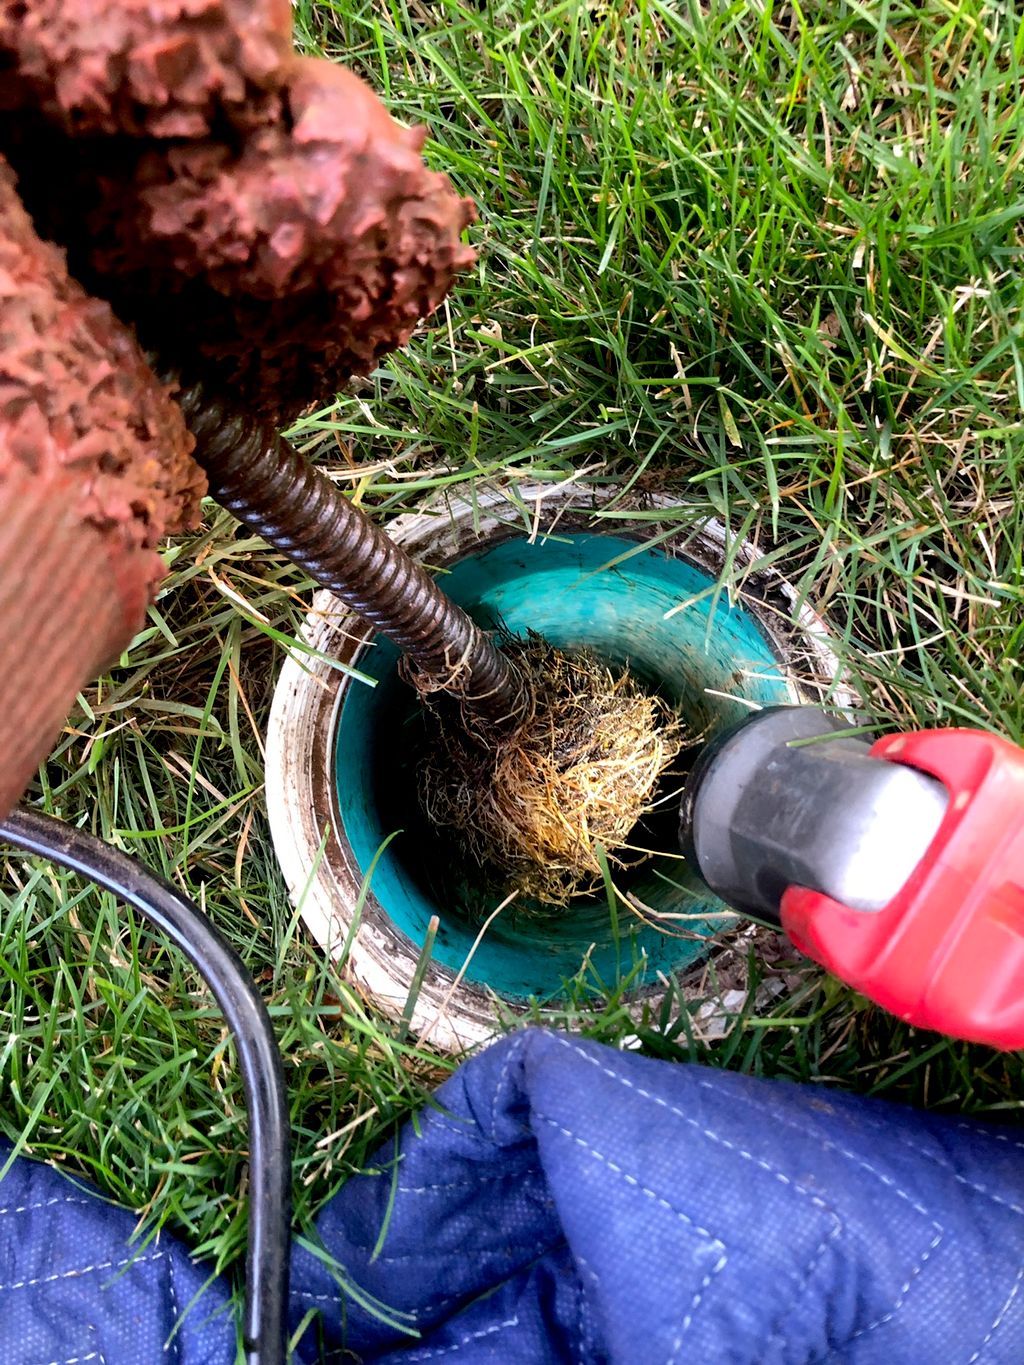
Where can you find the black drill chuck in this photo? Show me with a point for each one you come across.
(791, 797)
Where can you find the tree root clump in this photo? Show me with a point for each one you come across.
(532, 809)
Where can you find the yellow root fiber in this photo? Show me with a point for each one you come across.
(532, 808)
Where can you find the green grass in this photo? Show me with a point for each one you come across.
(765, 258)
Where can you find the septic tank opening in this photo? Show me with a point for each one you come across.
(609, 595)
(699, 613)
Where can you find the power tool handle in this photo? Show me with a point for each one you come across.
(947, 952)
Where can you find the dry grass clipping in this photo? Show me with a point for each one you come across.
(531, 808)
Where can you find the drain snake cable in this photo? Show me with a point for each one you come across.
(259, 1060)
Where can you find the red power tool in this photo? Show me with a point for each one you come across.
(898, 865)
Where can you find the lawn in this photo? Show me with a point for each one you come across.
(767, 259)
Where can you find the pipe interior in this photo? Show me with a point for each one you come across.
(605, 593)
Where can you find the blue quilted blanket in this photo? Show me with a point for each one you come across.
(564, 1202)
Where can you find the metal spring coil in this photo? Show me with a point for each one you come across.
(276, 492)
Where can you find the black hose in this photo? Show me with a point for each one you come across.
(266, 1283)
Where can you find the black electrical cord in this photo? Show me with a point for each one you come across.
(266, 1283)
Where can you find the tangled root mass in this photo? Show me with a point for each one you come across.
(532, 809)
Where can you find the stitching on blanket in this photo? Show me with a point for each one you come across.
(44, 1204)
(436, 1351)
(174, 1310)
(587, 1331)
(940, 1231)
(586, 1267)
(468, 1129)
(980, 1189)
(776, 1333)
(764, 1165)
(515, 1047)
(586, 1312)
(517, 1176)
(999, 1317)
(80, 1360)
(901, 1297)
(891, 1184)
(414, 1313)
(423, 1255)
(82, 1270)
(937, 1159)
(632, 1180)
(816, 1200)
(997, 1137)
(581, 1330)
(701, 1290)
